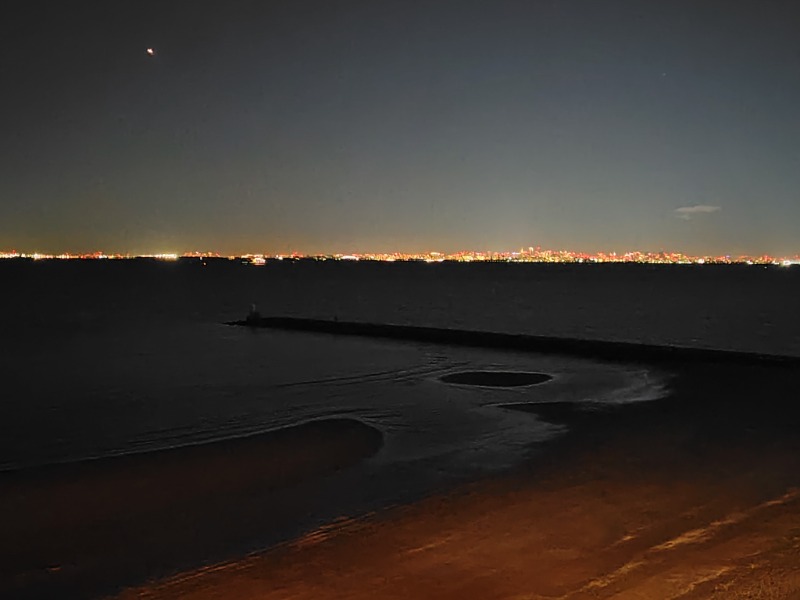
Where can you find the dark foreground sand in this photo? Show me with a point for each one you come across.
(696, 496)
(82, 530)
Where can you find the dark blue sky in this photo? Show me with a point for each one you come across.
(376, 126)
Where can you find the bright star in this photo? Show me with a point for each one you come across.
(151, 52)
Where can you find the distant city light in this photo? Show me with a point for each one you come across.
(530, 255)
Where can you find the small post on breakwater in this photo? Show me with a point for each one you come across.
(253, 317)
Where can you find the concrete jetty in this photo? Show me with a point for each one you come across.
(589, 348)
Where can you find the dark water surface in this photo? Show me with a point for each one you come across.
(105, 357)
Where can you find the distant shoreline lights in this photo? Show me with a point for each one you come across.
(531, 255)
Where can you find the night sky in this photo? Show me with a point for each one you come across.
(325, 126)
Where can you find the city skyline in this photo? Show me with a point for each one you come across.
(139, 127)
(531, 254)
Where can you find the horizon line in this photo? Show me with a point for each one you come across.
(533, 255)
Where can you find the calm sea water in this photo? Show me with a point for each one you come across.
(111, 357)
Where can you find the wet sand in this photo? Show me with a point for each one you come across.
(83, 530)
(693, 496)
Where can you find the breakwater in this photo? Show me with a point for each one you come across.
(597, 349)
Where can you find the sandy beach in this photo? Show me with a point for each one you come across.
(695, 496)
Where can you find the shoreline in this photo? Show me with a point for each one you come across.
(43, 469)
(693, 496)
(712, 451)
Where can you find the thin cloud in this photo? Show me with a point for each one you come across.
(687, 212)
